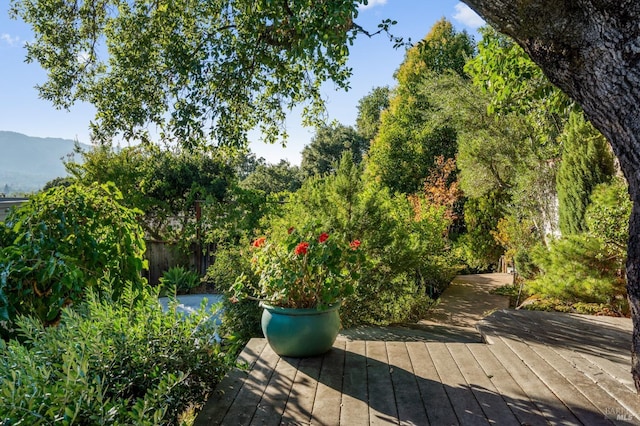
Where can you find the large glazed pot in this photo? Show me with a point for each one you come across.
(300, 332)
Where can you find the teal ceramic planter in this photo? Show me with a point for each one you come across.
(300, 332)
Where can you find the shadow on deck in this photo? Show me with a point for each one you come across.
(535, 368)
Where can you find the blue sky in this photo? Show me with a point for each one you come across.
(373, 62)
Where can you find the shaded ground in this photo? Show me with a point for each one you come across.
(465, 302)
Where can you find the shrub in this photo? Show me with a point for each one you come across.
(110, 363)
(240, 319)
(403, 247)
(62, 242)
(577, 268)
(518, 236)
(607, 216)
(590, 267)
(179, 279)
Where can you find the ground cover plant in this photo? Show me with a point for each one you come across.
(107, 362)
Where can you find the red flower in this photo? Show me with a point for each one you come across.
(302, 248)
(354, 244)
(323, 237)
(259, 242)
(290, 230)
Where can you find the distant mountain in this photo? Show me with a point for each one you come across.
(27, 163)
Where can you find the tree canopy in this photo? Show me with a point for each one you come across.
(195, 69)
(324, 152)
(410, 135)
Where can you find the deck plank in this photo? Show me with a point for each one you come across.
(517, 400)
(326, 408)
(572, 398)
(409, 404)
(275, 397)
(355, 399)
(548, 404)
(248, 399)
(227, 390)
(539, 368)
(462, 399)
(491, 402)
(623, 396)
(435, 400)
(303, 392)
(601, 399)
(382, 405)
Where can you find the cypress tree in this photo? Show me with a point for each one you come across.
(586, 162)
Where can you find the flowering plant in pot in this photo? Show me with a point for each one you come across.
(303, 276)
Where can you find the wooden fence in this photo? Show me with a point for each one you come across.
(163, 255)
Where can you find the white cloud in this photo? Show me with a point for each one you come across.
(372, 3)
(467, 17)
(8, 39)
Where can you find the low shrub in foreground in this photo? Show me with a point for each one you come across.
(126, 362)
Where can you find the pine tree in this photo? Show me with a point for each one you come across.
(586, 162)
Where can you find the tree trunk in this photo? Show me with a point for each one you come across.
(591, 50)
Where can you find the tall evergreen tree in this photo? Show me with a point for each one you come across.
(586, 162)
(370, 108)
(327, 147)
(411, 136)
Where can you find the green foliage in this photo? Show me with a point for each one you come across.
(405, 252)
(444, 49)
(229, 221)
(370, 108)
(586, 162)
(412, 133)
(163, 183)
(516, 84)
(518, 236)
(63, 242)
(477, 247)
(226, 66)
(405, 148)
(590, 267)
(607, 215)
(274, 178)
(513, 147)
(110, 363)
(578, 268)
(305, 268)
(59, 181)
(327, 146)
(240, 318)
(179, 279)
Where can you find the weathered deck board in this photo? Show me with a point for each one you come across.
(516, 399)
(303, 392)
(536, 369)
(326, 408)
(405, 386)
(434, 396)
(355, 410)
(382, 405)
(460, 396)
(551, 408)
(579, 406)
(227, 390)
(491, 402)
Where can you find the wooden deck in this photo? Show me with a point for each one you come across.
(536, 368)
